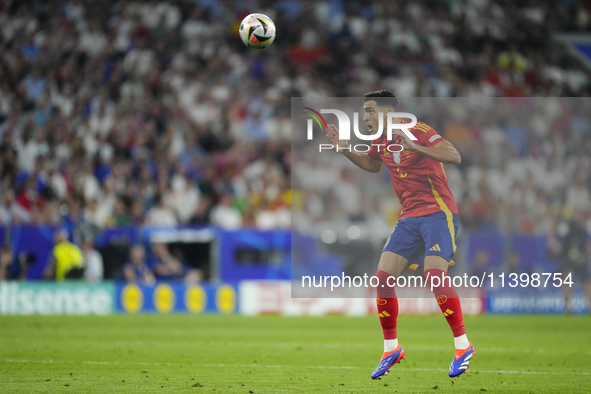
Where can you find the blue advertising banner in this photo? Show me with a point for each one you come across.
(117, 235)
(526, 301)
(168, 297)
(36, 241)
(253, 254)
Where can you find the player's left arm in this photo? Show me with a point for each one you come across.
(442, 151)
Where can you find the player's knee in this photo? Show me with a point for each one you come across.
(393, 263)
(435, 277)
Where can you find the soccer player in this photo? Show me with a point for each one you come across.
(427, 227)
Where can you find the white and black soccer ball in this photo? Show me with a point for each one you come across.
(257, 31)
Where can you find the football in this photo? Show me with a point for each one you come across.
(257, 31)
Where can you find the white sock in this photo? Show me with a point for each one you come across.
(461, 342)
(390, 344)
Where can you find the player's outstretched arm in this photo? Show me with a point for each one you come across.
(361, 160)
(444, 151)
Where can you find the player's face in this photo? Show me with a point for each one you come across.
(372, 113)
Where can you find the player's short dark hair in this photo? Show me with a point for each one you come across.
(384, 98)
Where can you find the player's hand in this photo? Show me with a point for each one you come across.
(333, 135)
(404, 141)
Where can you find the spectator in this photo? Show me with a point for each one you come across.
(125, 90)
(136, 270)
(34, 84)
(512, 59)
(481, 263)
(93, 262)
(11, 212)
(570, 244)
(160, 215)
(5, 262)
(226, 215)
(120, 216)
(30, 197)
(94, 215)
(15, 269)
(511, 263)
(168, 267)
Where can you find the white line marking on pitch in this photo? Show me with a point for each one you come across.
(286, 366)
(313, 345)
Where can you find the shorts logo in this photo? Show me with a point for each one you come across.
(387, 241)
(381, 301)
(441, 299)
(435, 248)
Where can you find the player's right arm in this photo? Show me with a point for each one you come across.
(361, 160)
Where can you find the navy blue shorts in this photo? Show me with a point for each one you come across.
(414, 238)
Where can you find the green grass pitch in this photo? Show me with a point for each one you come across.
(272, 354)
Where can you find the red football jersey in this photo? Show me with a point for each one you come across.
(419, 181)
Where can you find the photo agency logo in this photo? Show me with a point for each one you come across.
(394, 121)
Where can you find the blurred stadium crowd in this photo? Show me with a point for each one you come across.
(120, 113)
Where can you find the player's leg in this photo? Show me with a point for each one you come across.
(398, 254)
(439, 233)
(449, 303)
(391, 266)
(447, 297)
